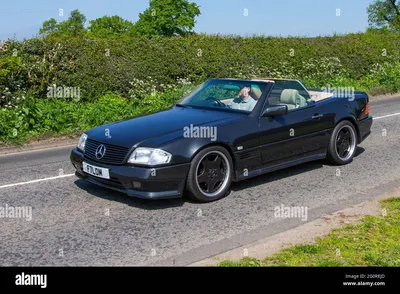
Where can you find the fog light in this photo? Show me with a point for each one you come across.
(137, 185)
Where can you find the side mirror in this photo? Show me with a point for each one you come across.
(275, 111)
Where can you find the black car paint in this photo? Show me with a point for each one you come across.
(257, 144)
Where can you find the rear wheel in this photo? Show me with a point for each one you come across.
(210, 174)
(343, 143)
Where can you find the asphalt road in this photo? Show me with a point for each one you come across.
(75, 223)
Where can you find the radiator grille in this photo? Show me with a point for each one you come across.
(113, 155)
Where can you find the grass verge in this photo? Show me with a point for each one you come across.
(375, 241)
(51, 118)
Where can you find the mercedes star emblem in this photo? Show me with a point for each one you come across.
(100, 151)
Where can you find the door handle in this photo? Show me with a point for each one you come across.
(317, 116)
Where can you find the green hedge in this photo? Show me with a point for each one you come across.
(135, 68)
(84, 63)
(38, 118)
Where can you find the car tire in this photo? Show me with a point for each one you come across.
(343, 143)
(210, 175)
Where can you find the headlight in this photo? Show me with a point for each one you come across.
(149, 156)
(82, 142)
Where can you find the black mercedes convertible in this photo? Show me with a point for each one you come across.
(225, 130)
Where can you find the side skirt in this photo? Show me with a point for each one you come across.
(275, 167)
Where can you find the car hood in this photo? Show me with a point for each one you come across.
(137, 130)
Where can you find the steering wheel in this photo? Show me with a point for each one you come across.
(216, 101)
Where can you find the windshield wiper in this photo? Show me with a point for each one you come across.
(182, 105)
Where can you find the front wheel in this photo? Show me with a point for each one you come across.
(210, 174)
(343, 143)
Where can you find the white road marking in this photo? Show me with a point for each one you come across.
(36, 150)
(36, 181)
(385, 116)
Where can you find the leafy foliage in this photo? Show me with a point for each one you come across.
(167, 18)
(73, 26)
(12, 81)
(384, 14)
(162, 18)
(153, 73)
(110, 27)
(102, 65)
(49, 117)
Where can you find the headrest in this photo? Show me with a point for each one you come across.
(288, 96)
(255, 92)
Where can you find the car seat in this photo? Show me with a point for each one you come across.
(292, 99)
(255, 92)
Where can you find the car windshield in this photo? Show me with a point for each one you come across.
(236, 95)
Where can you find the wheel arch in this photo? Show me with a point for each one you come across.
(354, 123)
(190, 183)
(221, 144)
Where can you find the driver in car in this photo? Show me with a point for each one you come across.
(244, 101)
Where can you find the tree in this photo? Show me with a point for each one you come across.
(73, 26)
(384, 14)
(48, 27)
(167, 18)
(110, 26)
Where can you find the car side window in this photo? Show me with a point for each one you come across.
(290, 93)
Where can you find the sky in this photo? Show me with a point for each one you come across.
(23, 18)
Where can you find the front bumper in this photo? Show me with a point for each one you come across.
(155, 183)
(364, 127)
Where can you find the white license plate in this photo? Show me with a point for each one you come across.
(96, 171)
